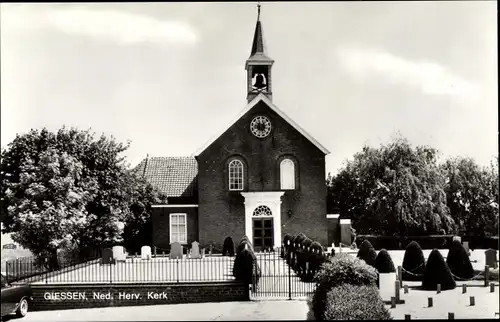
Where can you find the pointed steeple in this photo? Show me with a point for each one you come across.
(258, 65)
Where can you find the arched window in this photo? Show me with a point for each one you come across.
(287, 174)
(236, 175)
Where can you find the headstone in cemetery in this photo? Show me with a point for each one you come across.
(466, 247)
(119, 254)
(146, 252)
(491, 258)
(457, 238)
(195, 250)
(345, 231)
(107, 256)
(175, 251)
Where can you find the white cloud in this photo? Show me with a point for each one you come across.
(430, 78)
(122, 27)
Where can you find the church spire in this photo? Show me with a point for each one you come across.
(258, 65)
(258, 38)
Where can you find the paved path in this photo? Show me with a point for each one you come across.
(235, 311)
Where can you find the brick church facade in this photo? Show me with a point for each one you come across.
(263, 177)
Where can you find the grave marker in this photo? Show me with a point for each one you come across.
(466, 247)
(119, 254)
(107, 256)
(175, 251)
(491, 258)
(195, 250)
(146, 252)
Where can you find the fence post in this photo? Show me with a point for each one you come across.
(400, 276)
(177, 260)
(289, 283)
(486, 275)
(110, 270)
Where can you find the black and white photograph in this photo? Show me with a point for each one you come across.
(254, 160)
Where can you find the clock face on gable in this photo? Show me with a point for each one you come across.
(260, 126)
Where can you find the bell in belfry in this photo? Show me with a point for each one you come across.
(259, 81)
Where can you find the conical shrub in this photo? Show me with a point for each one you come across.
(458, 261)
(437, 272)
(384, 263)
(413, 262)
(367, 253)
(228, 247)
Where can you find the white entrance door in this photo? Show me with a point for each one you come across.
(263, 218)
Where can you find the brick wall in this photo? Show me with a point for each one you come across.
(161, 225)
(73, 296)
(222, 212)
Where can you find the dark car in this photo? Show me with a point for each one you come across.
(15, 298)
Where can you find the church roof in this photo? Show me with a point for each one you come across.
(267, 101)
(174, 176)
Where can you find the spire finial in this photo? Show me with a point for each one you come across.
(258, 10)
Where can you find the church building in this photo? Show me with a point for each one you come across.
(263, 176)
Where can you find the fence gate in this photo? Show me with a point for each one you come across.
(278, 280)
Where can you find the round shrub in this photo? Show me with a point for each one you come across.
(228, 247)
(317, 258)
(367, 253)
(355, 302)
(298, 240)
(413, 262)
(338, 270)
(242, 244)
(458, 261)
(437, 272)
(383, 262)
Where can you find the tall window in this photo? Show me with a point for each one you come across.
(236, 175)
(287, 174)
(178, 228)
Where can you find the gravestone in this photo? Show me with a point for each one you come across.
(119, 254)
(345, 232)
(195, 250)
(466, 247)
(457, 238)
(107, 256)
(491, 258)
(146, 252)
(175, 251)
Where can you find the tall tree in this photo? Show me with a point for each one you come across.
(472, 195)
(395, 189)
(69, 190)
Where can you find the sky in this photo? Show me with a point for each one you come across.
(169, 76)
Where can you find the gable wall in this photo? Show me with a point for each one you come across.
(221, 212)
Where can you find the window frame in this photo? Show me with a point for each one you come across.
(170, 225)
(229, 172)
(291, 175)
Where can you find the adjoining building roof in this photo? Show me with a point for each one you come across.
(173, 176)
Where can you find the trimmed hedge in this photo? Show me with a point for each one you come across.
(426, 242)
(355, 302)
(384, 263)
(245, 267)
(437, 272)
(413, 262)
(458, 261)
(367, 253)
(228, 247)
(338, 270)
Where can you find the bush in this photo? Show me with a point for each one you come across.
(367, 253)
(413, 262)
(228, 247)
(458, 261)
(243, 268)
(317, 258)
(437, 272)
(384, 263)
(355, 302)
(242, 244)
(338, 270)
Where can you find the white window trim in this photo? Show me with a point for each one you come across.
(281, 175)
(242, 175)
(170, 227)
